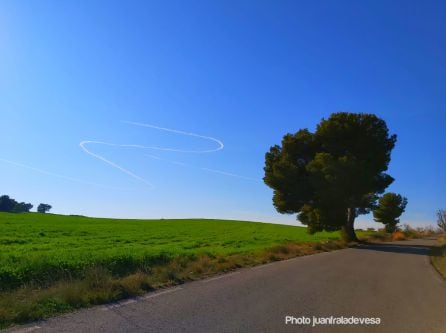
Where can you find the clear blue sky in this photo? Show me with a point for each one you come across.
(243, 72)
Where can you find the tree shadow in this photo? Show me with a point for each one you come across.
(423, 250)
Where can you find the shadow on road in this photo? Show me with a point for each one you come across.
(396, 248)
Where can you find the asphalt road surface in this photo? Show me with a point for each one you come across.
(393, 282)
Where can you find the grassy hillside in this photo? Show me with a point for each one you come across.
(52, 263)
(42, 247)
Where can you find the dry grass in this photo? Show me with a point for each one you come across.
(442, 239)
(438, 255)
(377, 237)
(99, 286)
(418, 232)
(403, 233)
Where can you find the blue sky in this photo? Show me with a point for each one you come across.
(242, 72)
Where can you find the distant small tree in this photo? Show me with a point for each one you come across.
(389, 209)
(7, 204)
(22, 207)
(441, 221)
(43, 208)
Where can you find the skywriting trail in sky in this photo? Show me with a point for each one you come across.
(53, 174)
(219, 146)
(90, 143)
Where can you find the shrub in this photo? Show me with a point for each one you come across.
(398, 236)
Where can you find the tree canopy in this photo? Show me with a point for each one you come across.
(331, 176)
(10, 205)
(22, 207)
(43, 208)
(389, 209)
(7, 204)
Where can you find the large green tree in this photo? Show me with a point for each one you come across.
(389, 209)
(331, 176)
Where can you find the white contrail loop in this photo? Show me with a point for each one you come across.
(83, 144)
(217, 141)
(128, 172)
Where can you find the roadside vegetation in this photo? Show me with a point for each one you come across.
(438, 253)
(441, 219)
(52, 264)
(404, 232)
(438, 257)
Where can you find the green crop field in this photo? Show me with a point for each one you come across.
(52, 264)
(46, 247)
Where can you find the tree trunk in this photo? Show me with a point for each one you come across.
(348, 230)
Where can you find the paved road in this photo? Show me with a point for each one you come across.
(394, 282)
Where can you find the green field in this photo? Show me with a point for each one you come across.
(44, 247)
(51, 264)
